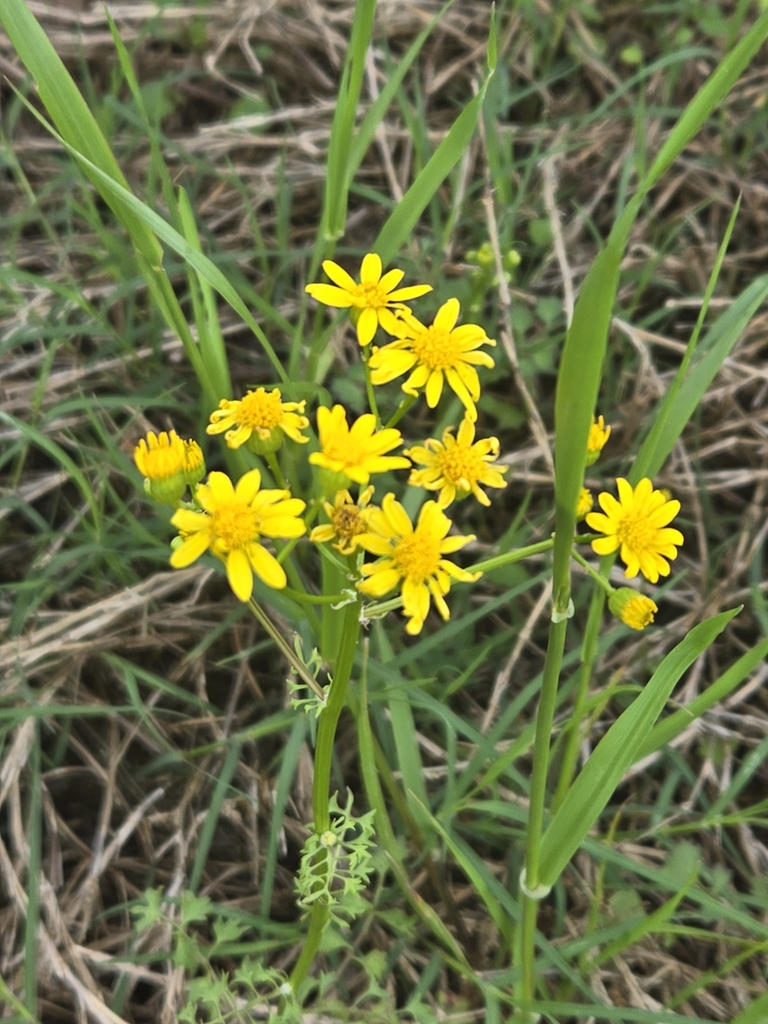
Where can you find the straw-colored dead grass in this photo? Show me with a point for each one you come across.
(111, 828)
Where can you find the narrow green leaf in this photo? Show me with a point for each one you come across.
(71, 115)
(618, 750)
(674, 724)
(755, 1013)
(204, 266)
(208, 831)
(404, 217)
(678, 405)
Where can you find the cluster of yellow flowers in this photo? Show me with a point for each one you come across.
(231, 520)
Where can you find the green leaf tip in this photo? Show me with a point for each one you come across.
(492, 46)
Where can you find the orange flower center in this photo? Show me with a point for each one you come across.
(369, 296)
(436, 348)
(417, 557)
(636, 532)
(460, 463)
(261, 409)
(347, 522)
(235, 525)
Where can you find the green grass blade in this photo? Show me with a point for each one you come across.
(617, 751)
(755, 1013)
(204, 266)
(680, 402)
(674, 724)
(212, 349)
(35, 841)
(59, 456)
(375, 113)
(403, 219)
(208, 831)
(339, 146)
(285, 779)
(71, 115)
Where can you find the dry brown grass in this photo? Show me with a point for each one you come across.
(116, 820)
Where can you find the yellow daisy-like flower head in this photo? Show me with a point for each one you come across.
(374, 299)
(456, 466)
(194, 463)
(260, 419)
(412, 558)
(166, 463)
(357, 451)
(231, 524)
(348, 520)
(584, 504)
(637, 525)
(635, 610)
(598, 435)
(433, 355)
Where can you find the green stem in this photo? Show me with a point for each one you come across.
(282, 644)
(513, 556)
(277, 473)
(596, 576)
(372, 403)
(401, 410)
(326, 733)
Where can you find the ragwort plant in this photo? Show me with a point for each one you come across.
(303, 512)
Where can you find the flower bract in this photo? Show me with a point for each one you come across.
(433, 355)
(456, 465)
(412, 559)
(260, 416)
(635, 610)
(598, 436)
(348, 520)
(357, 451)
(375, 297)
(231, 524)
(637, 526)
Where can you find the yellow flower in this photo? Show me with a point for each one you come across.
(635, 524)
(348, 519)
(231, 525)
(635, 610)
(584, 504)
(456, 465)
(194, 463)
(598, 435)
(168, 465)
(412, 558)
(259, 419)
(434, 354)
(356, 451)
(374, 297)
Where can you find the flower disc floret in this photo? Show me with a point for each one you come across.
(457, 465)
(412, 558)
(261, 415)
(348, 520)
(357, 451)
(231, 524)
(433, 355)
(637, 525)
(377, 299)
